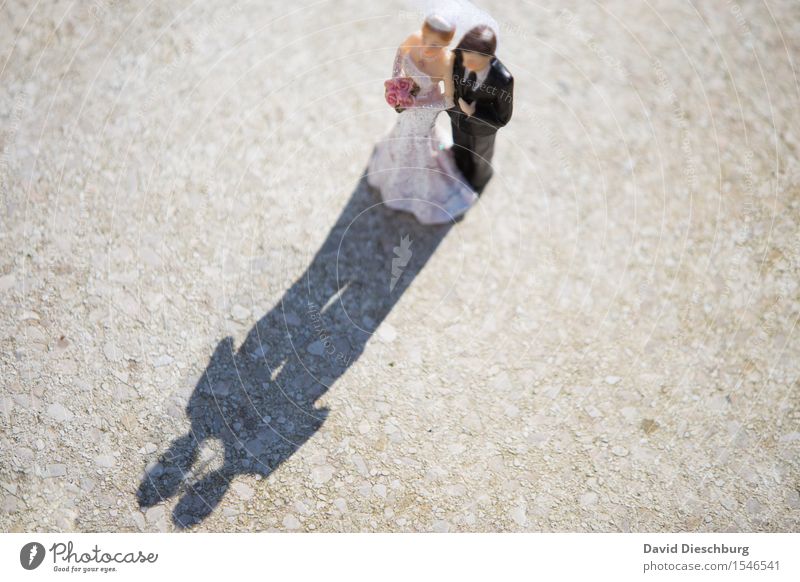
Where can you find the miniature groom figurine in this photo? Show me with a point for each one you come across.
(483, 96)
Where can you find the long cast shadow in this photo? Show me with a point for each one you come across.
(259, 400)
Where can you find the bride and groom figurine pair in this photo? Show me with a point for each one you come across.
(413, 168)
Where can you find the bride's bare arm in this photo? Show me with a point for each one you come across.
(447, 75)
(444, 74)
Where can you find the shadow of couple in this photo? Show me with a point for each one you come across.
(259, 400)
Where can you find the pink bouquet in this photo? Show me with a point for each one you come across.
(400, 92)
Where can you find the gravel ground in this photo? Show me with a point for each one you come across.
(203, 327)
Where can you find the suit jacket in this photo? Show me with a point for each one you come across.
(494, 97)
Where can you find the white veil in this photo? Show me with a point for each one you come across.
(461, 13)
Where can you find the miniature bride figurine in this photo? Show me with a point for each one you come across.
(412, 168)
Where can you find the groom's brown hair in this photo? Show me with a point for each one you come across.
(480, 39)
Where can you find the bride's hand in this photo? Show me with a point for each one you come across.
(467, 108)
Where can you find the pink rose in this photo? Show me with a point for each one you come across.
(400, 91)
(404, 84)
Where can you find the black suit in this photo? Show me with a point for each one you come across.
(473, 136)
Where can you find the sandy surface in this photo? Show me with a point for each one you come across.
(607, 342)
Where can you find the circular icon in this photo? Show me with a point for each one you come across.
(31, 555)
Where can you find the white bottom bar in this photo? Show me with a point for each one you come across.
(400, 556)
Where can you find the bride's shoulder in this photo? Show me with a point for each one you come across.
(413, 40)
(444, 64)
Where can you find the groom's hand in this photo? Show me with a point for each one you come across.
(467, 108)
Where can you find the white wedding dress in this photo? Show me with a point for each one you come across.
(412, 167)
